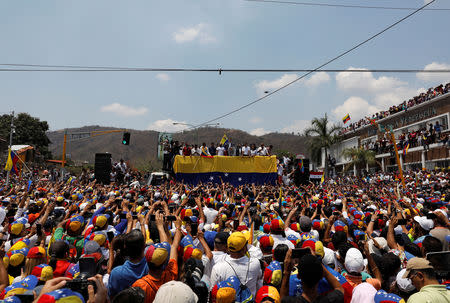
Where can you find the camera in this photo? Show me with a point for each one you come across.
(193, 272)
(87, 270)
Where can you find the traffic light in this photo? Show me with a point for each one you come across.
(126, 139)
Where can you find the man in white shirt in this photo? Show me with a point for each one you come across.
(247, 270)
(262, 150)
(246, 150)
(220, 150)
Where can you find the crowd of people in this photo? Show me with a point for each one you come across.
(422, 137)
(343, 240)
(404, 106)
(171, 149)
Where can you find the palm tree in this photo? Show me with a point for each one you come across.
(321, 135)
(359, 157)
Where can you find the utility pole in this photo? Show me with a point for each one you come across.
(10, 144)
(63, 162)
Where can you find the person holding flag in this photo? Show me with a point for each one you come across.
(11, 163)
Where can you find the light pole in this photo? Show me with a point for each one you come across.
(196, 127)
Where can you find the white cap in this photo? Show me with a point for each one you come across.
(175, 292)
(404, 284)
(425, 223)
(354, 261)
(382, 242)
(174, 197)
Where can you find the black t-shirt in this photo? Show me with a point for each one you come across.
(332, 297)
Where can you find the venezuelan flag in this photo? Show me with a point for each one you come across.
(301, 166)
(346, 118)
(405, 149)
(11, 163)
(224, 140)
(234, 170)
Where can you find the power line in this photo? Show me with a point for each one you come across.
(215, 70)
(318, 68)
(346, 5)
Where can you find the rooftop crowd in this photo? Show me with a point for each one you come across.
(424, 137)
(345, 240)
(404, 106)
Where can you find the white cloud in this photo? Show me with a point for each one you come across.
(357, 108)
(297, 127)
(167, 126)
(259, 131)
(366, 82)
(200, 32)
(124, 110)
(317, 79)
(436, 78)
(163, 77)
(265, 85)
(255, 120)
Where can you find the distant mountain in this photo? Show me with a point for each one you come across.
(143, 144)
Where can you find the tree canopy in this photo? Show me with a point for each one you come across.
(28, 130)
(321, 134)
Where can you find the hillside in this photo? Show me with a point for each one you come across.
(143, 144)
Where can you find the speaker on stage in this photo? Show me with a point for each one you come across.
(301, 178)
(102, 169)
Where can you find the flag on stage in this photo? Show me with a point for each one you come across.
(11, 163)
(205, 152)
(405, 149)
(233, 170)
(346, 118)
(224, 140)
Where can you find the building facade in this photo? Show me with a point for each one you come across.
(421, 134)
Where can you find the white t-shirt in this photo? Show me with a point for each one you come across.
(262, 151)
(210, 214)
(250, 274)
(245, 150)
(220, 151)
(253, 152)
(279, 239)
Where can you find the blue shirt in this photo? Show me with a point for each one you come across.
(125, 275)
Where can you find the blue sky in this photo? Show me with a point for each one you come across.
(213, 34)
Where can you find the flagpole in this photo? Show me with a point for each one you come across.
(10, 144)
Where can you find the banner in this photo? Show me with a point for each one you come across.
(315, 175)
(234, 170)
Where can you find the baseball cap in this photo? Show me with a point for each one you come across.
(158, 253)
(425, 223)
(276, 225)
(28, 283)
(43, 272)
(62, 295)
(416, 263)
(383, 297)
(272, 274)
(91, 247)
(268, 291)
(236, 241)
(175, 292)
(266, 242)
(354, 261)
(36, 253)
(404, 284)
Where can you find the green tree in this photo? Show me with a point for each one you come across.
(28, 130)
(321, 135)
(359, 157)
